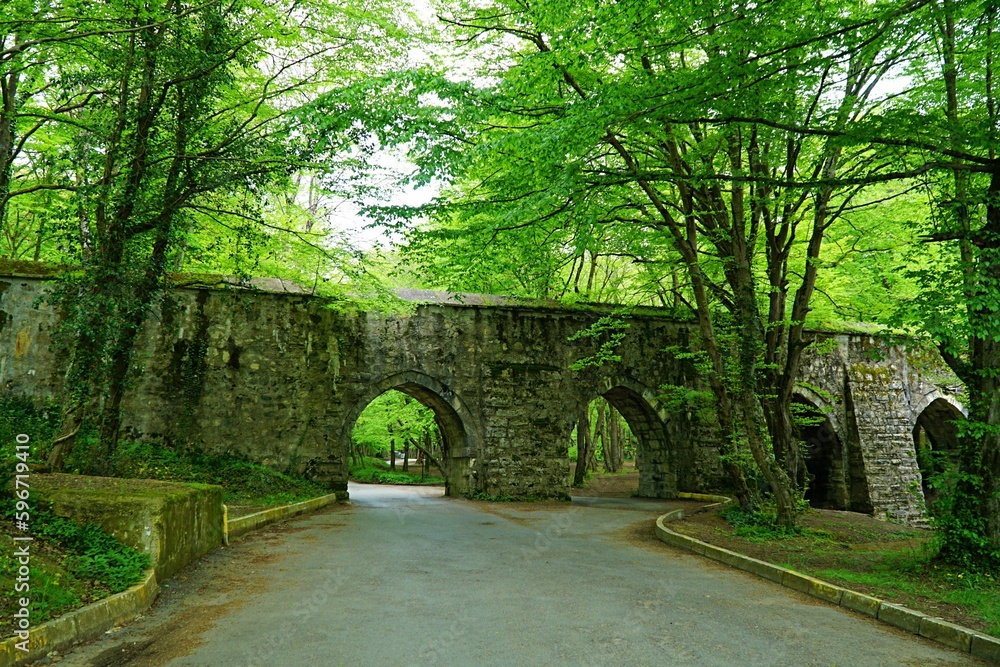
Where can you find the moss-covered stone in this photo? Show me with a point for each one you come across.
(173, 523)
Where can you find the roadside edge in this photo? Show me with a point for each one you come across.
(93, 620)
(239, 526)
(954, 636)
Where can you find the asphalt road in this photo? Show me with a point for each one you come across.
(405, 577)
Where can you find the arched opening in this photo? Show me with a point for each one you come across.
(935, 438)
(835, 474)
(603, 453)
(414, 414)
(823, 453)
(622, 436)
(396, 440)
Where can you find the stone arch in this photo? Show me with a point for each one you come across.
(938, 396)
(834, 463)
(816, 399)
(459, 430)
(935, 437)
(645, 416)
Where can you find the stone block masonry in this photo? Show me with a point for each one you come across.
(281, 377)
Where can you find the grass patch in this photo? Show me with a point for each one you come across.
(757, 526)
(376, 471)
(917, 577)
(892, 562)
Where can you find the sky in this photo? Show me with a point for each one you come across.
(345, 218)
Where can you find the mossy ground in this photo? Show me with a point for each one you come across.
(244, 482)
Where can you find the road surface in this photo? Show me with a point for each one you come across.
(406, 577)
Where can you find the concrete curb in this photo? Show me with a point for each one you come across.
(705, 498)
(936, 629)
(244, 524)
(82, 624)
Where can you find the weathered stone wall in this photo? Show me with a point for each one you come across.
(873, 392)
(282, 377)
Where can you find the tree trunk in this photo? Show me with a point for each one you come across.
(601, 430)
(69, 426)
(597, 438)
(784, 435)
(593, 438)
(977, 496)
(438, 443)
(582, 446)
(429, 456)
(406, 456)
(975, 512)
(124, 348)
(392, 449)
(423, 453)
(615, 441)
(8, 113)
(774, 473)
(83, 373)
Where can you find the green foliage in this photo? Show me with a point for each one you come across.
(52, 590)
(243, 480)
(608, 332)
(95, 555)
(962, 536)
(758, 525)
(392, 420)
(19, 415)
(94, 563)
(375, 471)
(139, 139)
(747, 169)
(627, 442)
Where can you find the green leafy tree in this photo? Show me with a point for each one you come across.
(395, 422)
(657, 132)
(171, 120)
(950, 122)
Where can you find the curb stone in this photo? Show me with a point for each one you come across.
(244, 524)
(859, 602)
(949, 634)
(83, 624)
(985, 647)
(954, 636)
(900, 617)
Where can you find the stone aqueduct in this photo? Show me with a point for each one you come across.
(281, 377)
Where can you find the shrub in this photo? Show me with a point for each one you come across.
(757, 525)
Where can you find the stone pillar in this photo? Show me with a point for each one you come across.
(877, 391)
